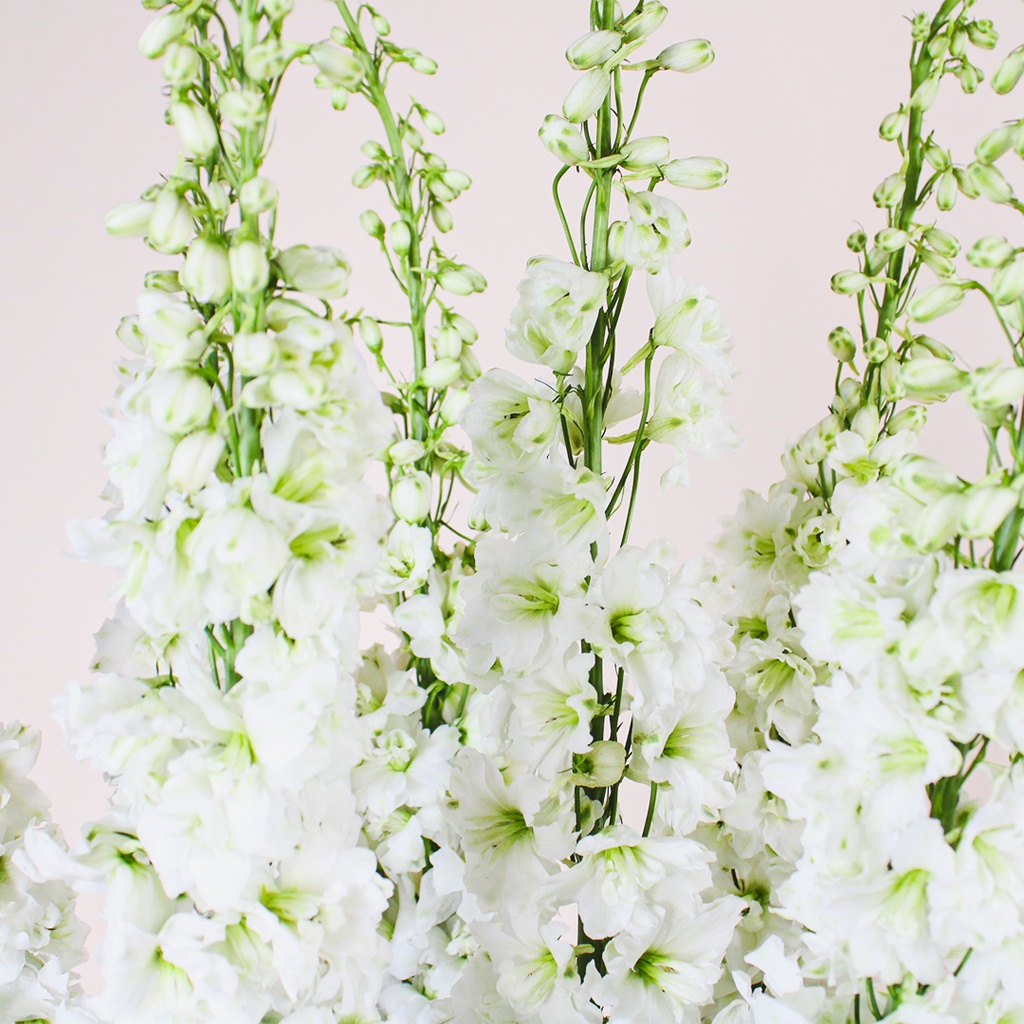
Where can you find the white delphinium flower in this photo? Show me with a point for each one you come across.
(655, 232)
(41, 939)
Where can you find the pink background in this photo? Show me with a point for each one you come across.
(792, 103)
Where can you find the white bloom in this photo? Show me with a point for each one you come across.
(687, 320)
(655, 232)
(407, 559)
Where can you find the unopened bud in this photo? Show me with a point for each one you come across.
(982, 33)
(400, 237)
(937, 523)
(924, 479)
(423, 65)
(381, 25)
(1008, 282)
(696, 172)
(170, 223)
(876, 349)
(890, 191)
(842, 345)
(469, 365)
(1009, 71)
(317, 270)
(587, 95)
(893, 125)
(938, 157)
(242, 108)
(370, 222)
(250, 269)
(406, 452)
(195, 458)
(645, 22)
(178, 402)
(912, 418)
(254, 353)
(258, 195)
(601, 766)
(648, 151)
(369, 331)
(990, 252)
(162, 281)
(206, 273)
(969, 77)
(965, 182)
(890, 380)
(925, 94)
(945, 243)
(935, 301)
(181, 64)
(455, 400)
(410, 496)
(849, 282)
(932, 380)
(997, 142)
(338, 66)
(941, 266)
(448, 344)
(461, 280)
(129, 220)
(995, 386)
(891, 239)
(432, 121)
(989, 182)
(946, 190)
(439, 374)
(984, 509)
(266, 60)
(686, 57)
(161, 32)
(563, 140)
(467, 332)
(275, 10)
(593, 49)
(196, 128)
(866, 423)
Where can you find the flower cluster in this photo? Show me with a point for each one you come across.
(41, 940)
(597, 667)
(878, 620)
(226, 690)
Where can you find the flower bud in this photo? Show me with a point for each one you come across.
(841, 345)
(925, 94)
(1008, 282)
(400, 237)
(1009, 71)
(932, 346)
(913, 418)
(448, 343)
(920, 26)
(469, 365)
(455, 400)
(938, 157)
(250, 269)
(984, 508)
(161, 32)
(924, 479)
(866, 422)
(941, 266)
(937, 46)
(965, 182)
(969, 77)
(891, 239)
(990, 252)
(258, 195)
(423, 65)
(876, 349)
(467, 332)
(242, 108)
(442, 217)
(170, 223)
(989, 182)
(265, 60)
(162, 281)
(410, 496)
(593, 49)
(195, 458)
(982, 33)
(890, 191)
(935, 301)
(439, 374)
(217, 199)
(997, 142)
(406, 452)
(946, 190)
(648, 151)
(369, 331)
(178, 401)
(849, 282)
(338, 66)
(432, 121)
(320, 271)
(461, 280)
(890, 380)
(370, 222)
(129, 220)
(196, 128)
(692, 55)
(181, 64)
(937, 523)
(563, 140)
(943, 242)
(932, 380)
(206, 272)
(696, 172)
(893, 125)
(587, 95)
(601, 766)
(254, 353)
(995, 386)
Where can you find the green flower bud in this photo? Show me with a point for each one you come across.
(993, 386)
(920, 26)
(432, 121)
(587, 95)
(467, 332)
(250, 268)
(925, 94)
(958, 43)
(442, 217)
(913, 418)
(369, 331)
(857, 241)
(129, 220)
(937, 523)
(406, 452)
(365, 176)
(370, 222)
(891, 239)
(965, 183)
(469, 365)
(922, 478)
(890, 191)
(993, 145)
(337, 66)
(195, 458)
(989, 252)
(410, 496)
(648, 151)
(969, 77)
(938, 46)
(448, 343)
(254, 353)
(935, 301)
(206, 273)
(866, 422)
(242, 108)
(461, 279)
(645, 22)
(339, 97)
(891, 380)
(423, 65)
(593, 49)
(984, 509)
(1008, 282)
(165, 29)
(989, 182)
(265, 60)
(946, 190)
(455, 400)
(400, 238)
(924, 344)
(842, 345)
(932, 380)
(1007, 75)
(943, 242)
(439, 374)
(876, 349)
(941, 266)
(170, 223)
(181, 64)
(696, 172)
(317, 270)
(893, 125)
(849, 282)
(938, 157)
(195, 126)
(692, 55)
(162, 281)
(275, 10)
(982, 33)
(258, 195)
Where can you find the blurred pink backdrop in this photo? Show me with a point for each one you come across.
(792, 102)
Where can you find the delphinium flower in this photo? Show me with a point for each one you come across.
(598, 740)
(414, 696)
(223, 709)
(878, 626)
(41, 939)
